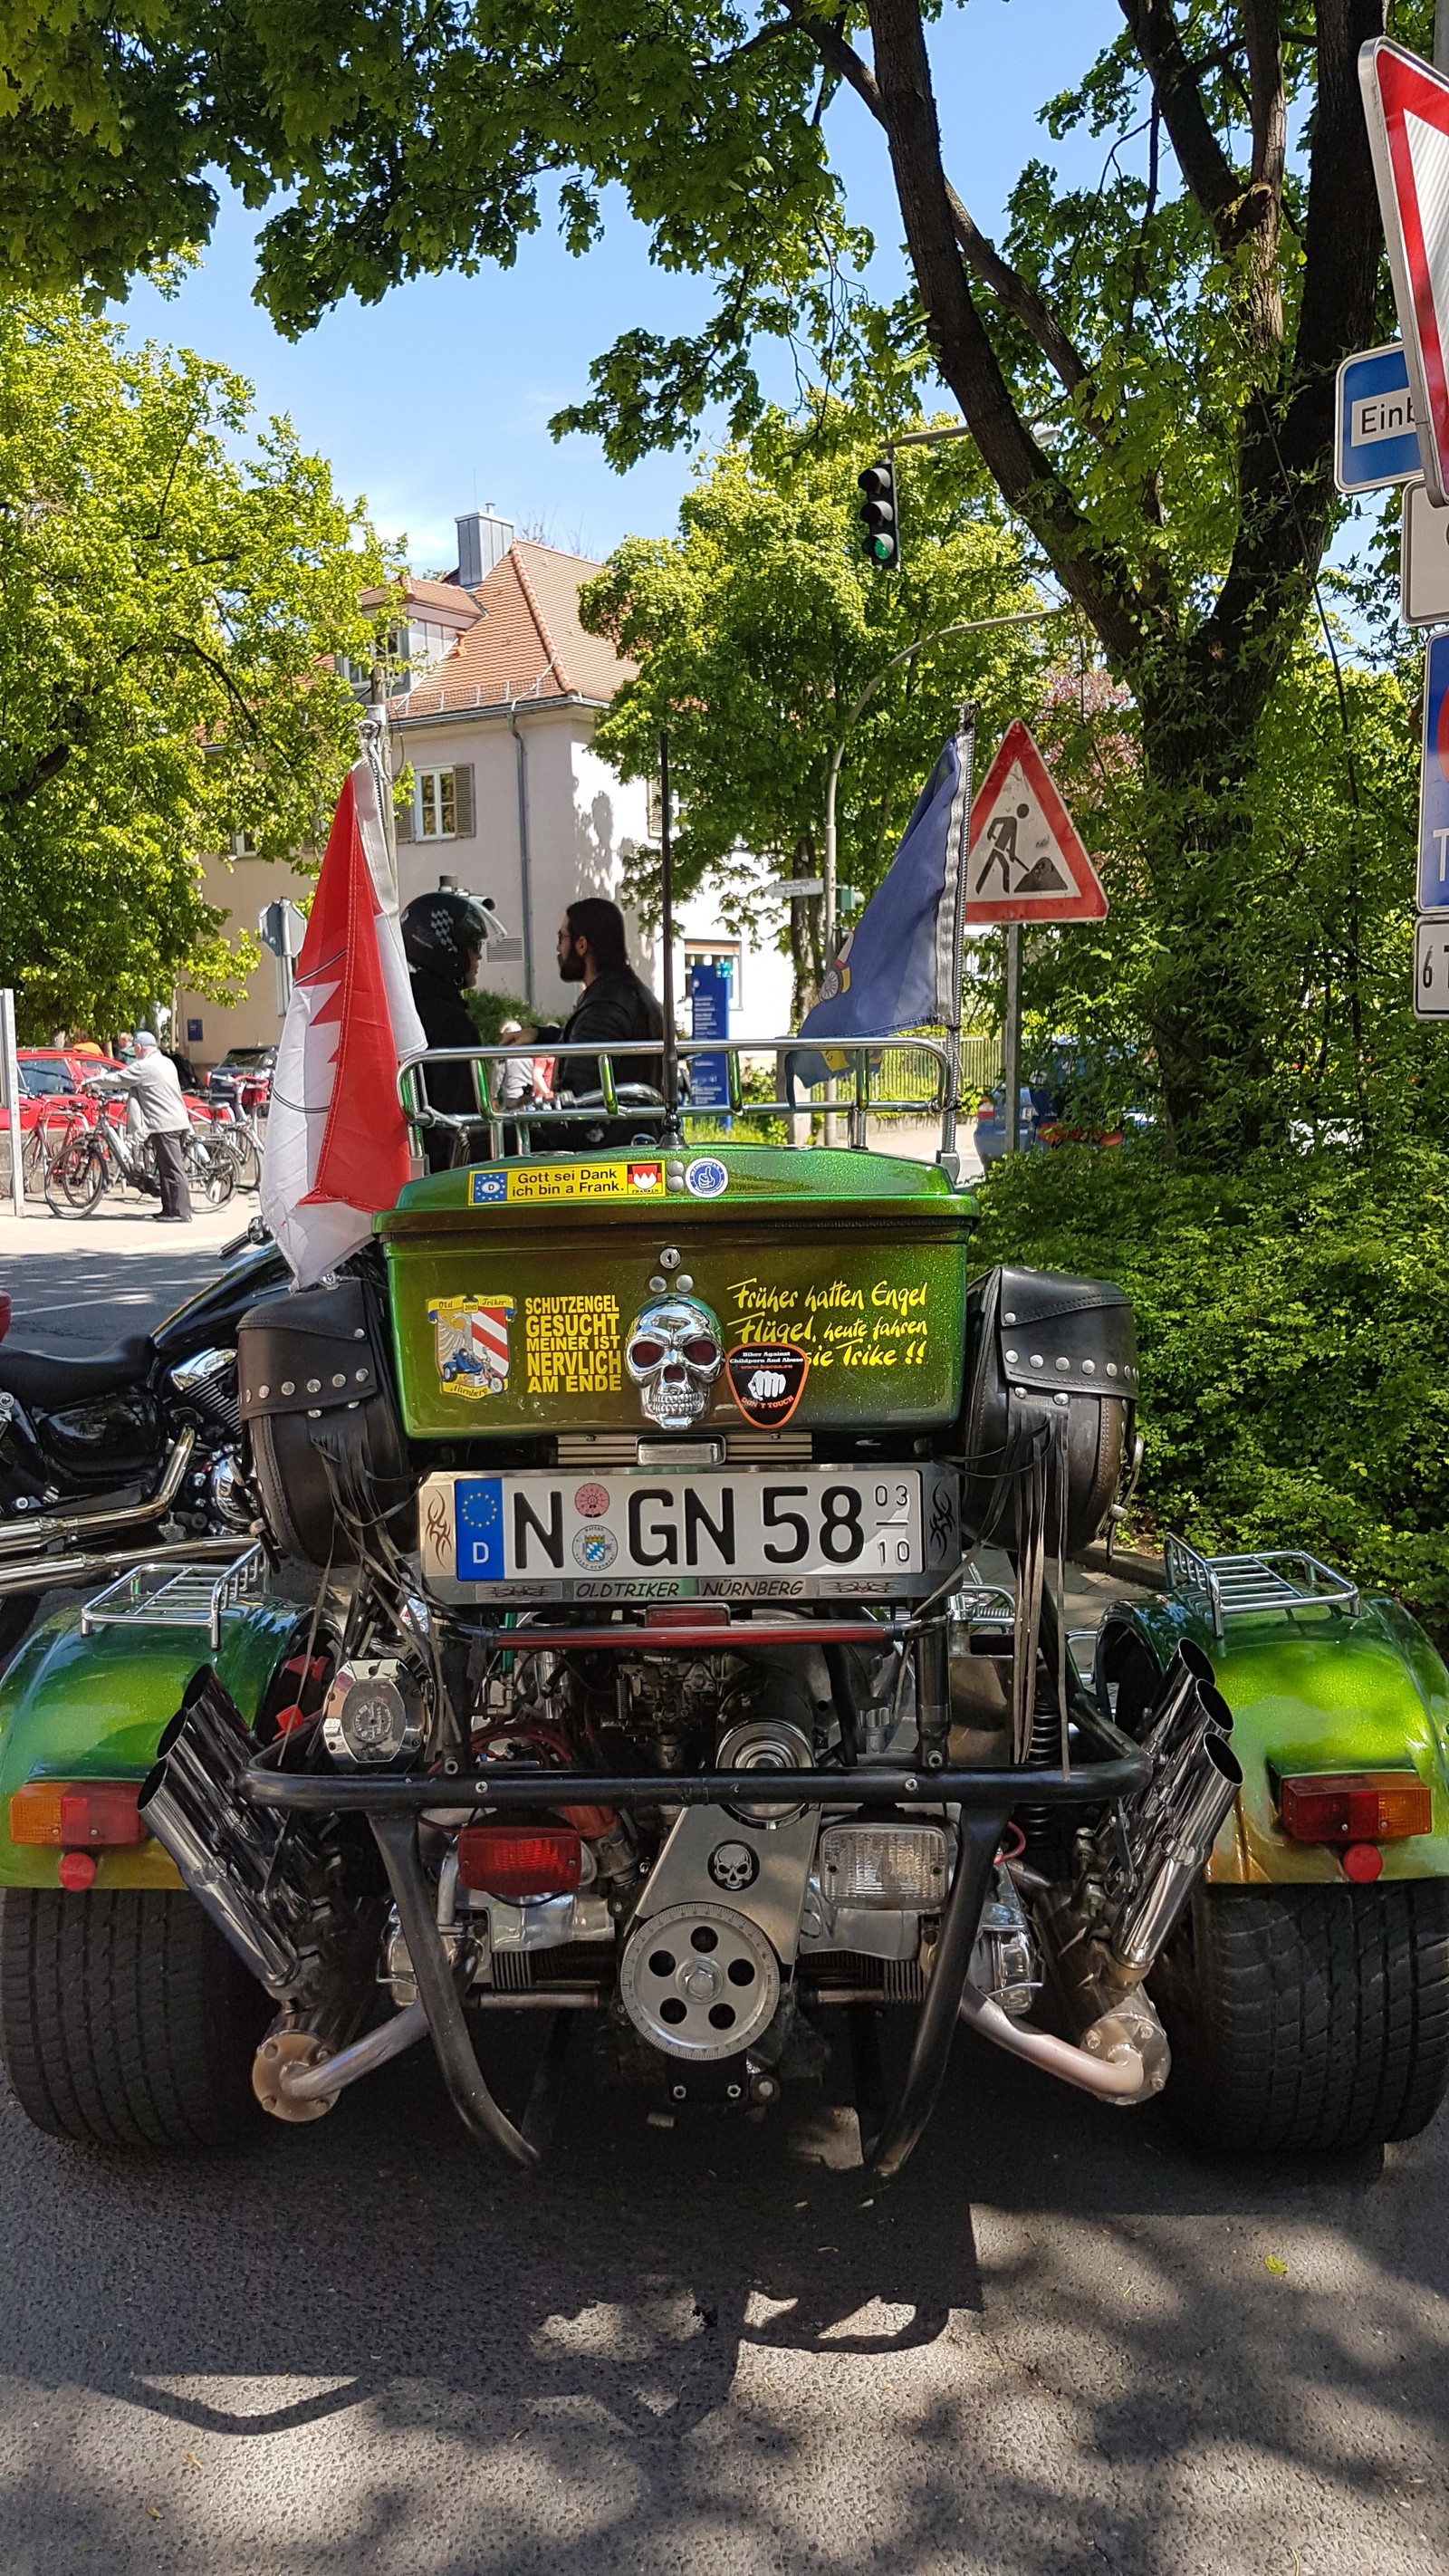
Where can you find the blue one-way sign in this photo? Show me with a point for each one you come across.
(1434, 781)
(1375, 439)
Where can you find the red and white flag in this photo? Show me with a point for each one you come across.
(337, 1148)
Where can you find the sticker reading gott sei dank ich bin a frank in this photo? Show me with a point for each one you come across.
(542, 1183)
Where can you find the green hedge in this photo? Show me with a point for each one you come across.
(1294, 1323)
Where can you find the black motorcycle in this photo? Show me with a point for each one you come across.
(97, 1454)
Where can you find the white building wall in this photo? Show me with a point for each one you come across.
(583, 825)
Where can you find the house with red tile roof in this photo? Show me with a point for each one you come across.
(495, 692)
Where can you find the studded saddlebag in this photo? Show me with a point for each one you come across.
(1051, 1367)
(317, 1399)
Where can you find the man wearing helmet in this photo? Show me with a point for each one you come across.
(443, 936)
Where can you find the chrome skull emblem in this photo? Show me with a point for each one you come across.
(673, 1354)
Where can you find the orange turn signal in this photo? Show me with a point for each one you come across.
(1355, 1807)
(79, 1815)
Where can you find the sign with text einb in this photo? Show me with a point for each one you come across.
(1375, 441)
(1434, 781)
(1406, 104)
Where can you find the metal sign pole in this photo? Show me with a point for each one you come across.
(670, 1134)
(966, 727)
(1011, 1040)
(10, 1076)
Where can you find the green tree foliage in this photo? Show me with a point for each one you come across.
(1293, 1319)
(169, 579)
(1147, 365)
(760, 625)
(1316, 924)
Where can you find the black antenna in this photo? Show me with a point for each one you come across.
(670, 1133)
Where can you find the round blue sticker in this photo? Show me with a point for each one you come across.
(707, 1177)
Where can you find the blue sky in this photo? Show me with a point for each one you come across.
(437, 400)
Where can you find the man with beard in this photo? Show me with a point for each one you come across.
(617, 1004)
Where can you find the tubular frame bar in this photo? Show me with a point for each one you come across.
(516, 1786)
(397, 1840)
(936, 2023)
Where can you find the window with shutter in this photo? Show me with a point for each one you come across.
(403, 820)
(463, 802)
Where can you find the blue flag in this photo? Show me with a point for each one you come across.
(900, 967)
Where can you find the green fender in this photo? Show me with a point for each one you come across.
(1318, 1690)
(93, 1708)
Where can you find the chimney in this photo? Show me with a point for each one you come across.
(483, 541)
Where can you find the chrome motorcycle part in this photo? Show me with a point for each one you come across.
(674, 1353)
(1122, 2059)
(699, 1981)
(1004, 1963)
(687, 1868)
(64, 1526)
(202, 1381)
(278, 2056)
(765, 1744)
(257, 1875)
(374, 1712)
(228, 1495)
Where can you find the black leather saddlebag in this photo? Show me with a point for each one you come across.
(327, 1448)
(1051, 1389)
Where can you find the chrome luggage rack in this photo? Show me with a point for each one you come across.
(847, 1087)
(1281, 1579)
(162, 1595)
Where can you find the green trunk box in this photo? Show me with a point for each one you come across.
(515, 1287)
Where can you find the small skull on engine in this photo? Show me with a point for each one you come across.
(674, 1354)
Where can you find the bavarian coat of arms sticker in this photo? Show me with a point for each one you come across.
(471, 1340)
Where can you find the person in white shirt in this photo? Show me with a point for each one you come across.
(155, 1087)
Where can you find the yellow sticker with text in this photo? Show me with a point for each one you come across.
(542, 1182)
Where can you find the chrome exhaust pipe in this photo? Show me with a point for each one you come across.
(257, 1874)
(32, 1574)
(1196, 1804)
(17, 1538)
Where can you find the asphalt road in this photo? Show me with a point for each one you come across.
(1058, 2341)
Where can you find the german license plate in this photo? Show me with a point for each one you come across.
(750, 1533)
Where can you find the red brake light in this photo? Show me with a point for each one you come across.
(80, 1815)
(702, 1351)
(646, 1354)
(1355, 1807)
(518, 1861)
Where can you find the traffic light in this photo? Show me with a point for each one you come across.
(877, 515)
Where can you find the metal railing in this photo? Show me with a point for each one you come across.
(854, 1061)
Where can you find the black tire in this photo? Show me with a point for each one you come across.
(125, 2020)
(1308, 2018)
(75, 1182)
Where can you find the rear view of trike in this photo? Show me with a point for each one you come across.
(653, 1630)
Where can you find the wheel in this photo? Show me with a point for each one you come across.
(215, 1175)
(241, 1145)
(125, 2020)
(76, 1181)
(1308, 2017)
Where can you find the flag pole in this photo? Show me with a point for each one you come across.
(670, 1132)
(948, 1156)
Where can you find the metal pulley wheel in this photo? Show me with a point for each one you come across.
(699, 1981)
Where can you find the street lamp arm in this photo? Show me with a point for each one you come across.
(942, 635)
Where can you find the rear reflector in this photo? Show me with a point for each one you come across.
(80, 1815)
(1355, 1807)
(515, 1862)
